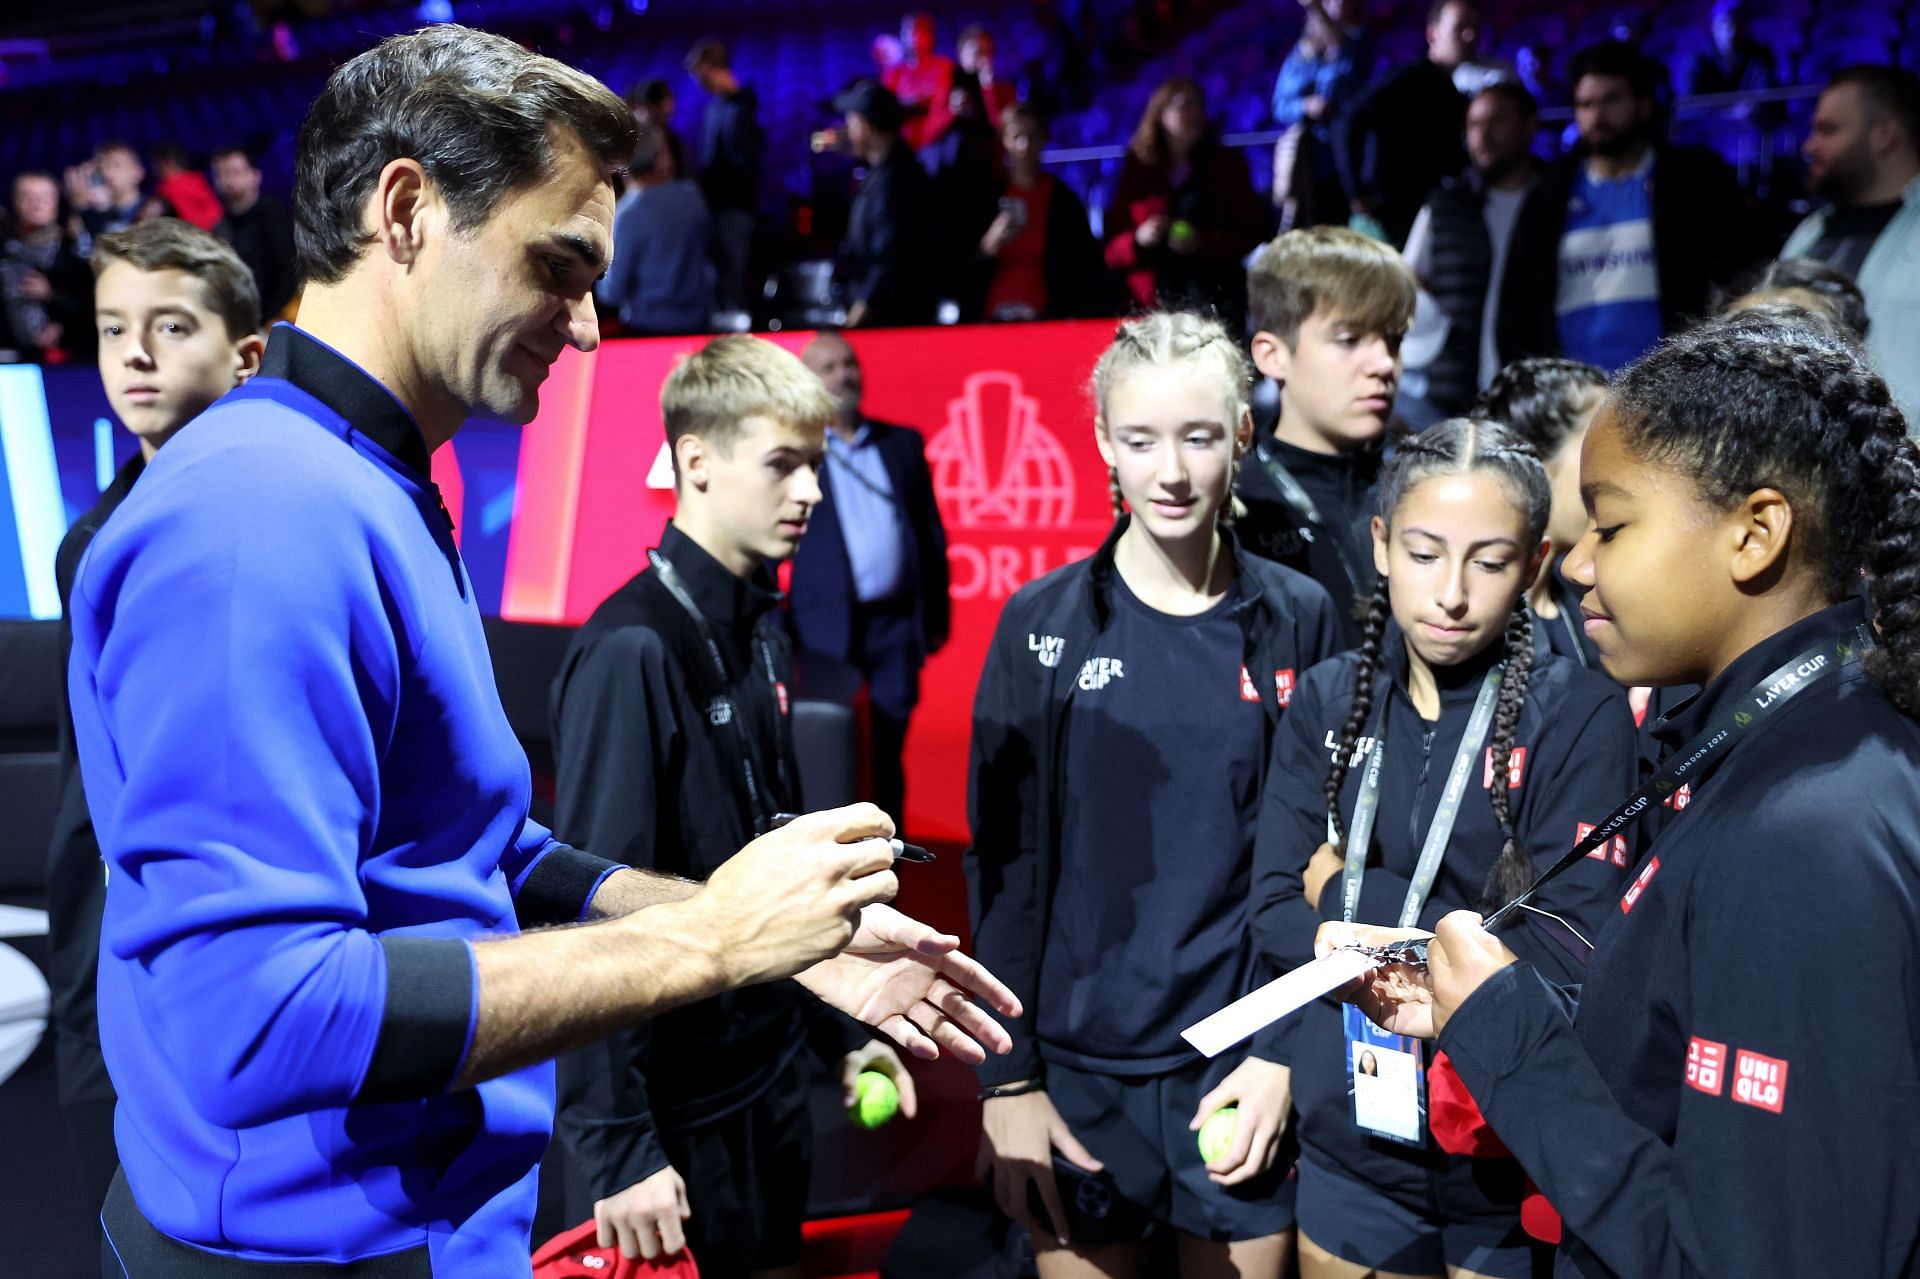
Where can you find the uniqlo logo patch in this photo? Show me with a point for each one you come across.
(1760, 1082)
(1706, 1065)
(1283, 686)
(1248, 693)
(1679, 799)
(1614, 850)
(1516, 765)
(1639, 886)
(780, 695)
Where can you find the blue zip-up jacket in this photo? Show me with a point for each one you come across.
(1574, 757)
(1736, 1087)
(1020, 709)
(310, 803)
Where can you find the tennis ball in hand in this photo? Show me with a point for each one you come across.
(1217, 1134)
(875, 1100)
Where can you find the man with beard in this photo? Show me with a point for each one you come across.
(1863, 154)
(1639, 231)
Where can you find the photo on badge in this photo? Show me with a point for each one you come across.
(1387, 1080)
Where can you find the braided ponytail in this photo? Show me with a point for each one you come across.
(1378, 610)
(1762, 401)
(1513, 871)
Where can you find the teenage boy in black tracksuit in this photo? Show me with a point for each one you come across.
(667, 762)
(1329, 307)
(1061, 652)
(1574, 753)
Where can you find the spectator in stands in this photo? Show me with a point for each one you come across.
(1735, 60)
(1458, 248)
(258, 226)
(1403, 135)
(976, 63)
(1040, 259)
(922, 81)
(183, 188)
(1183, 213)
(966, 169)
(1533, 65)
(660, 281)
(653, 101)
(731, 146)
(46, 290)
(888, 255)
(180, 325)
(1324, 73)
(1811, 286)
(105, 190)
(1863, 155)
(1637, 233)
(870, 580)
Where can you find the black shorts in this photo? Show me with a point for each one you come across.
(747, 1176)
(1138, 1128)
(1366, 1226)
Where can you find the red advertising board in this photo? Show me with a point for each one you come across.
(1008, 425)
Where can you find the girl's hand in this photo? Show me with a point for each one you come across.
(1262, 1091)
(1323, 866)
(1398, 998)
(1460, 958)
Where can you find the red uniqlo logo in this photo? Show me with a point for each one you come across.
(1760, 1082)
(1620, 851)
(1639, 886)
(1248, 693)
(780, 694)
(1679, 799)
(1516, 765)
(1283, 686)
(1706, 1065)
(1583, 829)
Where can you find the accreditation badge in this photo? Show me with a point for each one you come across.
(1387, 1079)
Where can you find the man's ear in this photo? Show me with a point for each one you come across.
(690, 461)
(1762, 529)
(1271, 356)
(246, 356)
(402, 205)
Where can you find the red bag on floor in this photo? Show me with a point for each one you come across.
(1460, 1129)
(576, 1254)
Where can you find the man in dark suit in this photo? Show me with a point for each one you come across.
(870, 579)
(886, 260)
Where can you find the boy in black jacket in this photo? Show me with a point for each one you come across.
(673, 746)
(1329, 308)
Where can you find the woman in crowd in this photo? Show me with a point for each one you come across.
(1183, 213)
(1432, 769)
(1122, 730)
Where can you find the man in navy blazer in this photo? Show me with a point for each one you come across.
(870, 578)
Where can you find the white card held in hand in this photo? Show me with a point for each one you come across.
(1242, 1018)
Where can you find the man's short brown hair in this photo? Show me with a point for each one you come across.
(1358, 279)
(168, 244)
(735, 377)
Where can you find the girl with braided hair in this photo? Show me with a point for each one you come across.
(1434, 768)
(1735, 1088)
(1122, 728)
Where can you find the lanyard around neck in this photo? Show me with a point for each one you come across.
(1297, 497)
(760, 810)
(1367, 807)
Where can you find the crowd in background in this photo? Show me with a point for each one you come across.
(1592, 244)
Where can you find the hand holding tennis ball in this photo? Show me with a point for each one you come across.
(875, 1086)
(1217, 1134)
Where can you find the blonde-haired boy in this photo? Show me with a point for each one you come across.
(673, 746)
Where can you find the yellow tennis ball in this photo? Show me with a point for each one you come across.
(1217, 1134)
(875, 1100)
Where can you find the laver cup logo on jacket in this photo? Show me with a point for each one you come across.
(1097, 672)
(1046, 647)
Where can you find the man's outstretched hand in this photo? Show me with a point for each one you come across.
(912, 984)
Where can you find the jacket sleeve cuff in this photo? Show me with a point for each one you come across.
(1023, 1062)
(427, 1023)
(560, 887)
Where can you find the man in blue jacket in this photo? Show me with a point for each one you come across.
(870, 586)
(330, 1038)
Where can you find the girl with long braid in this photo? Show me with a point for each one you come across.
(1434, 768)
(1735, 1087)
(1122, 728)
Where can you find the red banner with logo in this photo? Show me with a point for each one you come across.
(1009, 428)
